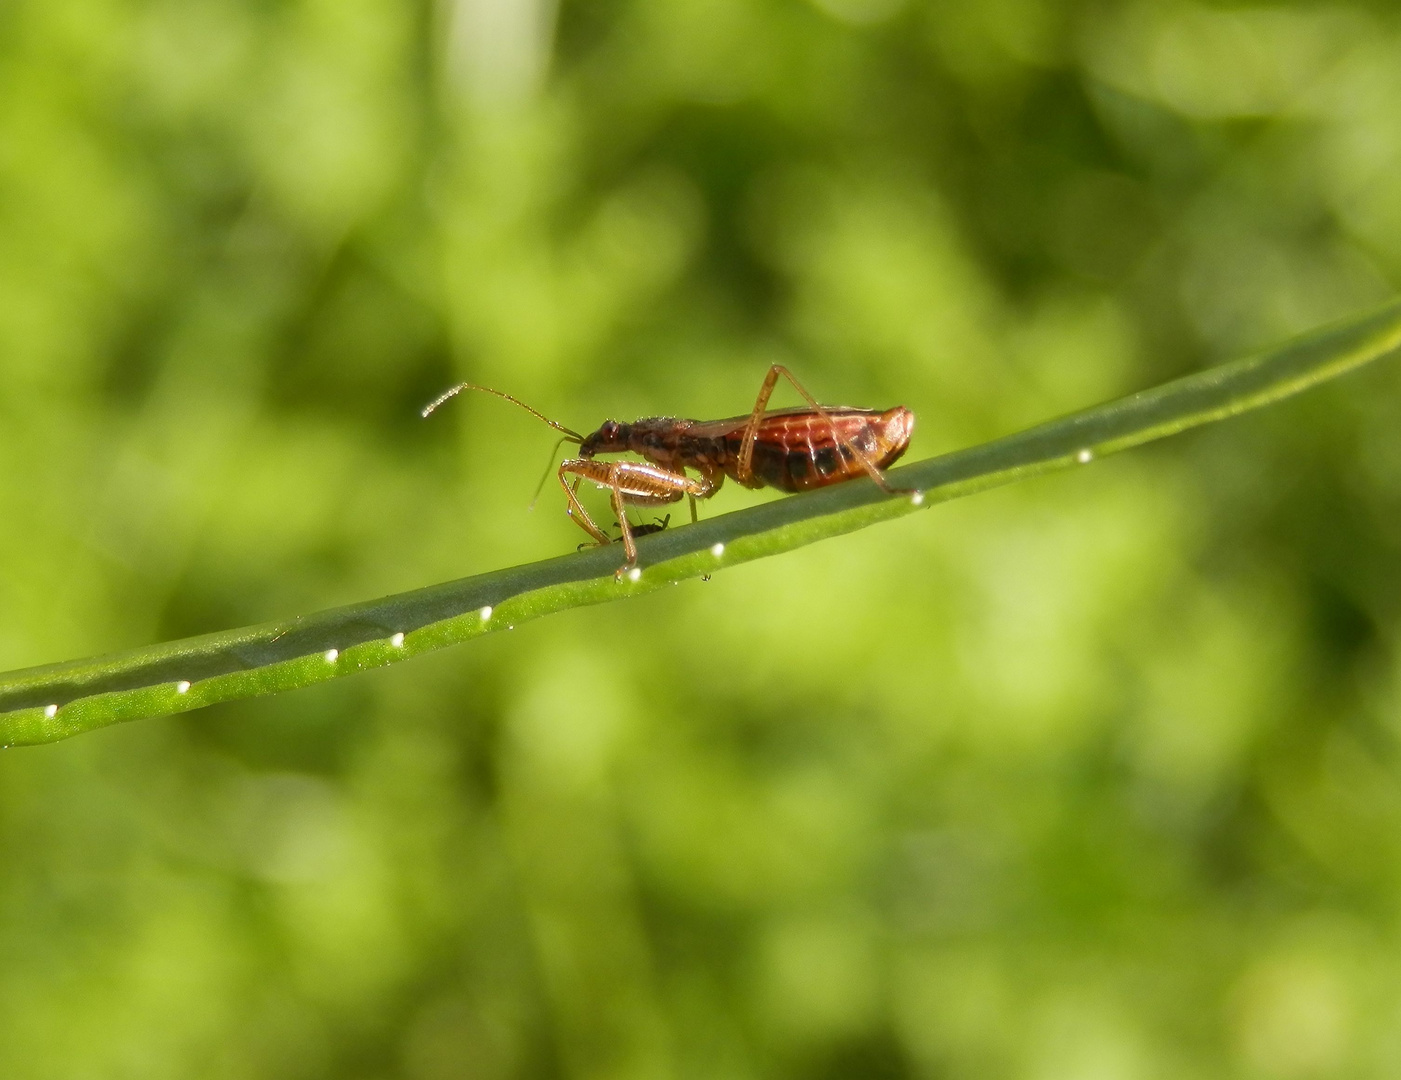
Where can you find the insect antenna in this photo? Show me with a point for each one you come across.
(569, 435)
(549, 468)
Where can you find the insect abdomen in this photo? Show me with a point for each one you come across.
(801, 451)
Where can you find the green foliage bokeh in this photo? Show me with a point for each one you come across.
(1096, 776)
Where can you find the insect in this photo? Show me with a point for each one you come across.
(793, 449)
(646, 528)
(656, 525)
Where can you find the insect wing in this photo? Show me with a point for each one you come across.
(778, 423)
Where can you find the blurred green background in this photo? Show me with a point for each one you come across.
(1095, 777)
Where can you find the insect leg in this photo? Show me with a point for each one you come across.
(745, 467)
(646, 485)
(751, 430)
(629, 482)
(629, 544)
(580, 469)
(712, 476)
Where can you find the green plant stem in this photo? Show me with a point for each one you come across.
(44, 704)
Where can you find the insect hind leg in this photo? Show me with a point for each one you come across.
(761, 405)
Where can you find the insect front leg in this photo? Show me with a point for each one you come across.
(630, 483)
(745, 468)
(645, 485)
(583, 468)
(629, 544)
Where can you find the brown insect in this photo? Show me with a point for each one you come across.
(796, 449)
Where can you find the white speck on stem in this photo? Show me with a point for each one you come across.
(1084, 457)
(917, 498)
(635, 574)
(51, 711)
(485, 613)
(331, 655)
(182, 687)
(717, 549)
(397, 641)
